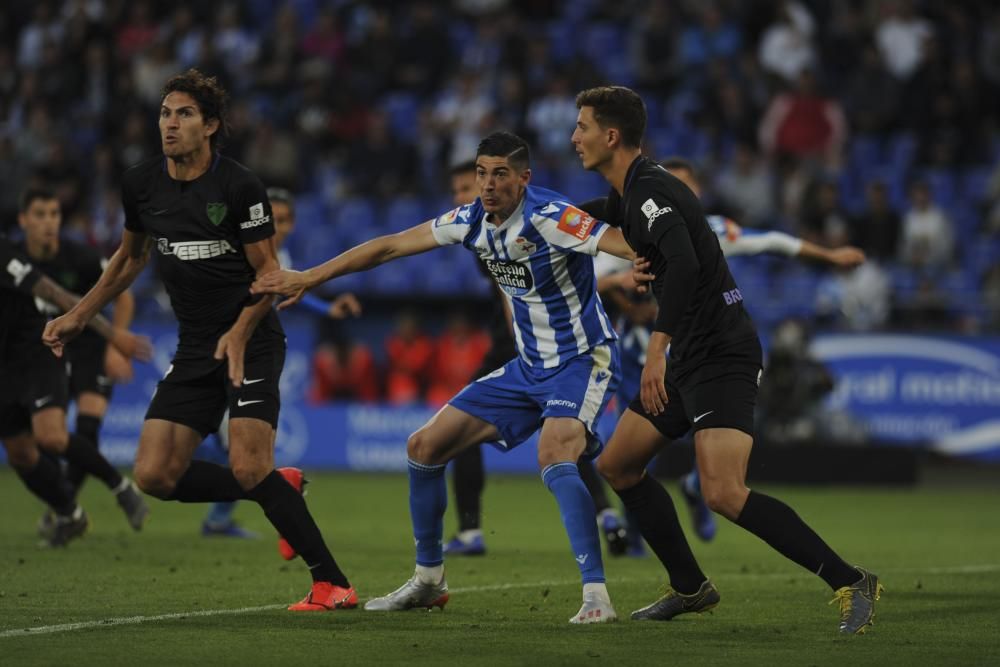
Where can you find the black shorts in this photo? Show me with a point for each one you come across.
(196, 391)
(722, 394)
(40, 385)
(86, 374)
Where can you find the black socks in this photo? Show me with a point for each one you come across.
(46, 481)
(205, 482)
(467, 475)
(777, 524)
(84, 455)
(656, 518)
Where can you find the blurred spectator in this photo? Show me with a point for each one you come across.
(872, 96)
(786, 48)
(711, 37)
(458, 353)
(927, 308)
(991, 298)
(273, 155)
(409, 353)
(876, 229)
(45, 28)
(746, 187)
(992, 224)
(928, 239)
(901, 37)
(804, 124)
(343, 370)
(324, 42)
(822, 219)
(379, 165)
(989, 48)
(855, 299)
(424, 41)
(548, 118)
(653, 50)
(186, 36)
(463, 115)
(150, 69)
(279, 53)
(137, 32)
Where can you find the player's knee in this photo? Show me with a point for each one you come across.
(154, 481)
(249, 474)
(422, 449)
(53, 441)
(21, 457)
(618, 476)
(724, 498)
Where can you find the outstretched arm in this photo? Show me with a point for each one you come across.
(613, 242)
(369, 254)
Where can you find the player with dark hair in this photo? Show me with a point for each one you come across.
(209, 219)
(710, 385)
(33, 399)
(92, 364)
(468, 472)
(539, 250)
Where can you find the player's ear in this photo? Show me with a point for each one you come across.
(525, 176)
(211, 126)
(613, 137)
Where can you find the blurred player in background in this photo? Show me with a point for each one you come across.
(93, 365)
(33, 397)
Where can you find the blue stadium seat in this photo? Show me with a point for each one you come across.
(355, 220)
(400, 277)
(974, 183)
(663, 142)
(865, 152)
(944, 186)
(405, 212)
(402, 108)
(562, 40)
(902, 151)
(579, 185)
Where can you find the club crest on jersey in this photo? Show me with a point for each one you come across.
(576, 222)
(524, 245)
(216, 212)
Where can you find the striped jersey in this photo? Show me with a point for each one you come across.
(541, 258)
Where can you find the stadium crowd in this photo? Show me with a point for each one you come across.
(871, 123)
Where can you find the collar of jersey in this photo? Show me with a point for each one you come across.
(516, 215)
(630, 174)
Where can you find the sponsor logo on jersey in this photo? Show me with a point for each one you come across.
(513, 278)
(18, 270)
(257, 217)
(576, 222)
(191, 250)
(652, 212)
(216, 212)
(732, 296)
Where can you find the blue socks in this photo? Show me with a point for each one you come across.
(220, 513)
(428, 501)
(578, 516)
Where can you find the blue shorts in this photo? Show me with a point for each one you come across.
(516, 398)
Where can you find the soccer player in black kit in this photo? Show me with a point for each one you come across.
(209, 219)
(33, 397)
(92, 364)
(710, 383)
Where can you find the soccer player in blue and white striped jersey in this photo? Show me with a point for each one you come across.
(540, 250)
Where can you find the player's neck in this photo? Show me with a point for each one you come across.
(39, 250)
(615, 170)
(191, 166)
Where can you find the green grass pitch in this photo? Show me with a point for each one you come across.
(937, 550)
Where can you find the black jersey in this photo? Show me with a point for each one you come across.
(21, 324)
(664, 222)
(76, 268)
(198, 229)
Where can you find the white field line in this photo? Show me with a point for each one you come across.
(136, 620)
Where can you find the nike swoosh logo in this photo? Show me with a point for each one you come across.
(240, 403)
(246, 381)
(702, 416)
(43, 400)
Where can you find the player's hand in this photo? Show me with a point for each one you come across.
(286, 282)
(117, 366)
(847, 256)
(231, 347)
(133, 346)
(345, 305)
(652, 390)
(641, 275)
(60, 331)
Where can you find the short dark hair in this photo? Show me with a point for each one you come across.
(507, 145)
(618, 107)
(463, 167)
(211, 98)
(676, 162)
(33, 193)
